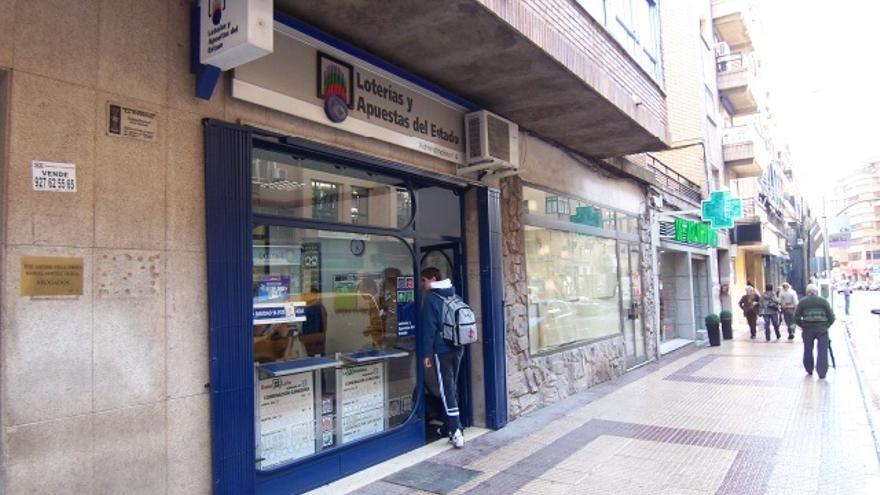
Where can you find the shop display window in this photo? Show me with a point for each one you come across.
(334, 338)
(574, 284)
(334, 312)
(295, 187)
(554, 207)
(573, 287)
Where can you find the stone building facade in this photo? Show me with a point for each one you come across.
(109, 391)
(535, 381)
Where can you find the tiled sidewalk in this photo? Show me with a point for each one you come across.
(737, 419)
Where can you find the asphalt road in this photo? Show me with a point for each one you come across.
(864, 335)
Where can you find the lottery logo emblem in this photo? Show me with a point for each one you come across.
(216, 11)
(335, 87)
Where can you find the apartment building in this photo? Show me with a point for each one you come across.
(854, 223)
(692, 270)
(721, 138)
(210, 277)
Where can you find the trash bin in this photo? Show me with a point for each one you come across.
(726, 325)
(713, 330)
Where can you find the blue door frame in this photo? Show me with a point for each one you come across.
(229, 220)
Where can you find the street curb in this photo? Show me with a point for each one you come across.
(873, 416)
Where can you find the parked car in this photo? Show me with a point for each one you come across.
(875, 285)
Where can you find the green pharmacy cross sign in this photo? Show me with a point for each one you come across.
(721, 210)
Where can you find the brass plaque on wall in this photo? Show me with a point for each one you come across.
(51, 276)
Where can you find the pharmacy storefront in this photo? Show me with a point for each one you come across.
(314, 255)
(687, 288)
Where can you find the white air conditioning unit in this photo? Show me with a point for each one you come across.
(491, 143)
(655, 199)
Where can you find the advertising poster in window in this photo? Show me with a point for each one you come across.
(271, 287)
(287, 419)
(362, 411)
(345, 287)
(406, 306)
(311, 267)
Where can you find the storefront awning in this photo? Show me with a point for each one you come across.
(464, 47)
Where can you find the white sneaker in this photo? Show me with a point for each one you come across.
(457, 439)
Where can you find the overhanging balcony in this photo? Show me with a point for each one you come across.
(745, 151)
(731, 19)
(737, 83)
(554, 71)
(672, 182)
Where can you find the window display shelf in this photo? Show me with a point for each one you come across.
(367, 356)
(298, 366)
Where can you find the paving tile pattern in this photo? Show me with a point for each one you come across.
(742, 418)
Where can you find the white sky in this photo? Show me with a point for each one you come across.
(822, 67)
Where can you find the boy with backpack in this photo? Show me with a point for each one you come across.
(448, 325)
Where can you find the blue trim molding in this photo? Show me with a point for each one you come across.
(228, 232)
(206, 75)
(491, 286)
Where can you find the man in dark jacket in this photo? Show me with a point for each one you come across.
(441, 354)
(815, 317)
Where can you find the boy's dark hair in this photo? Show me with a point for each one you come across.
(431, 273)
(768, 287)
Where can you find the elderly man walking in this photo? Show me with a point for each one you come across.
(815, 317)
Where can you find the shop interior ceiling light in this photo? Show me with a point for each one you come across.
(279, 185)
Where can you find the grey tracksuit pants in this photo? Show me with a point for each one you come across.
(821, 336)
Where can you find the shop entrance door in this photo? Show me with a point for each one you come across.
(631, 304)
(446, 257)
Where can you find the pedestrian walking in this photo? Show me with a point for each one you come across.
(770, 311)
(788, 299)
(847, 291)
(749, 304)
(815, 317)
(442, 354)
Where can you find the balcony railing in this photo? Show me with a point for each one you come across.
(745, 150)
(736, 81)
(673, 182)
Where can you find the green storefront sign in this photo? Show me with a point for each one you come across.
(692, 232)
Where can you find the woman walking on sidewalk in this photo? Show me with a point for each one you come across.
(770, 311)
(749, 304)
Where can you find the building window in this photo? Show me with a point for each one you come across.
(334, 311)
(360, 205)
(572, 274)
(352, 302)
(855, 256)
(325, 200)
(635, 24)
(296, 187)
(572, 287)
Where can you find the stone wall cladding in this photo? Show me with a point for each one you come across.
(650, 294)
(566, 32)
(536, 381)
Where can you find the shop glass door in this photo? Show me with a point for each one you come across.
(631, 304)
